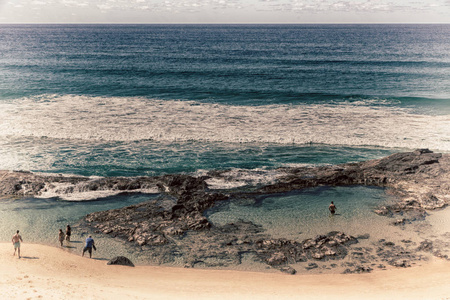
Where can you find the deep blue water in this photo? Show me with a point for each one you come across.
(233, 64)
(153, 99)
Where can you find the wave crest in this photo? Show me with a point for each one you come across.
(134, 118)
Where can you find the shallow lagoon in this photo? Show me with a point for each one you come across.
(40, 219)
(303, 214)
(296, 215)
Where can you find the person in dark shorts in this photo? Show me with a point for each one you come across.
(68, 232)
(16, 239)
(89, 245)
(332, 208)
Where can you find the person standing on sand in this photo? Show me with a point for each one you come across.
(89, 245)
(16, 239)
(61, 237)
(332, 208)
(68, 232)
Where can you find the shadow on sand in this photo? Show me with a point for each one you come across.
(100, 258)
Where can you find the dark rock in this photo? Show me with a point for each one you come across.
(308, 244)
(317, 255)
(173, 231)
(277, 258)
(426, 245)
(422, 151)
(120, 260)
(399, 222)
(288, 270)
(358, 269)
(311, 266)
(383, 211)
(401, 263)
(389, 244)
(363, 236)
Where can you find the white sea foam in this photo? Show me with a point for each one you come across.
(80, 191)
(241, 177)
(78, 196)
(129, 119)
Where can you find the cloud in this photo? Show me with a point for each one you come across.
(229, 10)
(248, 5)
(37, 2)
(345, 5)
(74, 3)
(159, 5)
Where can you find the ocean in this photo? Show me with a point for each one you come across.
(148, 100)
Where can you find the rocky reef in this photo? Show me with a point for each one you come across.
(174, 228)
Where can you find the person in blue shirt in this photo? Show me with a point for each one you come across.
(89, 245)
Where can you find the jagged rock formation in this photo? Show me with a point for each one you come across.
(421, 178)
(174, 225)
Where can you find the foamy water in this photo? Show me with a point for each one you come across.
(132, 119)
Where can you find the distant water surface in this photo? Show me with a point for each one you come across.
(147, 99)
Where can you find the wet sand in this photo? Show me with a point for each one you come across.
(46, 272)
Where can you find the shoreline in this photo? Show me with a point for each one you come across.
(176, 223)
(46, 272)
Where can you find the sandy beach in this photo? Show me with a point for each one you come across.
(46, 272)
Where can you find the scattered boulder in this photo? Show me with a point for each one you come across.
(120, 260)
(288, 270)
(401, 263)
(363, 236)
(358, 270)
(311, 266)
(426, 245)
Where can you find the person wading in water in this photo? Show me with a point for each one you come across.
(332, 208)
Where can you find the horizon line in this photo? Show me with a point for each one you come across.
(227, 23)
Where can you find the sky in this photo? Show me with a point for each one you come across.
(224, 11)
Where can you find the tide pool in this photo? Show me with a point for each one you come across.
(40, 219)
(304, 214)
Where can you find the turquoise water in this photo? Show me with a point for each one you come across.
(40, 219)
(304, 214)
(297, 216)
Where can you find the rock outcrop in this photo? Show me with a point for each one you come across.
(174, 225)
(420, 178)
(120, 260)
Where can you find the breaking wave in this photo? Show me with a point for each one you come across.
(133, 118)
